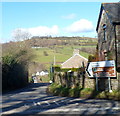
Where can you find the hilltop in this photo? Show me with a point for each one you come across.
(51, 41)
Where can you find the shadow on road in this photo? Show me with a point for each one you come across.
(38, 102)
(29, 87)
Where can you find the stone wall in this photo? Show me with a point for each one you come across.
(118, 46)
(114, 84)
(106, 39)
(83, 81)
(90, 83)
(107, 49)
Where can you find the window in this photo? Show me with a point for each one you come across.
(104, 31)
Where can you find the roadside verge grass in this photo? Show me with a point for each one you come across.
(78, 92)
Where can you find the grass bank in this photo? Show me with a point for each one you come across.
(58, 90)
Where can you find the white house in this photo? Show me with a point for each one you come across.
(43, 73)
(38, 73)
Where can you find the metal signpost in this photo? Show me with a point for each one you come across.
(102, 69)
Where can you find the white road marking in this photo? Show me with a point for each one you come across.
(35, 104)
(65, 101)
(47, 103)
(38, 103)
(27, 106)
(56, 103)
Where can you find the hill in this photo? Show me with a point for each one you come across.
(48, 50)
(51, 41)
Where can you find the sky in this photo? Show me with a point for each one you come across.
(49, 19)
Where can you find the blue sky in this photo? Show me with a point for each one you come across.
(49, 18)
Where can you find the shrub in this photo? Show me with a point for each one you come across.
(9, 60)
(71, 92)
(15, 66)
(45, 53)
(64, 91)
(86, 92)
(14, 74)
(115, 95)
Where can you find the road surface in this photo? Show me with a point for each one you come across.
(33, 100)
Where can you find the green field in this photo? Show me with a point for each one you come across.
(61, 54)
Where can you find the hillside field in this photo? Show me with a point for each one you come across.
(61, 54)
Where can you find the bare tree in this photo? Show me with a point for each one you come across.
(21, 35)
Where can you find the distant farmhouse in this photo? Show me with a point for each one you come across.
(108, 29)
(76, 61)
(42, 73)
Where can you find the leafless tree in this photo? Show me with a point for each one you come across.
(21, 35)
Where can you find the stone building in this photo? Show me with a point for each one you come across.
(76, 61)
(108, 29)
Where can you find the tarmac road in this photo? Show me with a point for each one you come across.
(33, 100)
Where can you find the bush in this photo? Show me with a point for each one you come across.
(115, 95)
(9, 60)
(71, 92)
(53, 87)
(45, 53)
(86, 92)
(14, 74)
(64, 91)
(15, 66)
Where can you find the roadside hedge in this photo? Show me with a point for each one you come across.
(14, 73)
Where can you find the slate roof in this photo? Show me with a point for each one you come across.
(113, 12)
(75, 62)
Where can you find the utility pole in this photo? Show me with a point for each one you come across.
(54, 60)
(54, 57)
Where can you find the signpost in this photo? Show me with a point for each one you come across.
(102, 69)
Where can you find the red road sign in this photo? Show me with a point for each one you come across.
(104, 72)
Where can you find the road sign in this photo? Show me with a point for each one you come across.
(101, 69)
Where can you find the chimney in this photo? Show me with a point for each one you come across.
(76, 51)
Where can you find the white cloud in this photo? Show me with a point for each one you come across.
(38, 31)
(80, 26)
(69, 16)
(44, 31)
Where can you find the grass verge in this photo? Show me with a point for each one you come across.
(58, 90)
